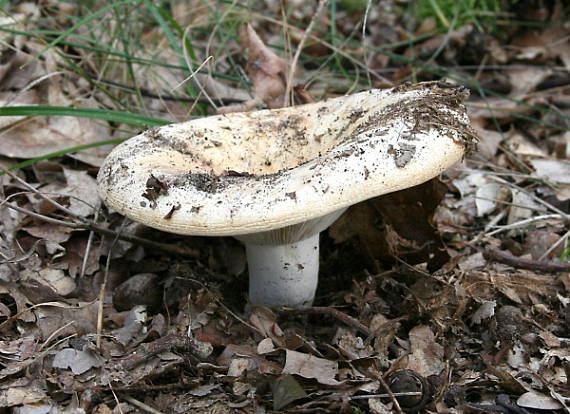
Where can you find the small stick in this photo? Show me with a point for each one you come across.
(24, 257)
(101, 307)
(395, 394)
(88, 225)
(170, 343)
(308, 30)
(335, 313)
(134, 387)
(43, 196)
(88, 249)
(141, 405)
(168, 248)
(546, 266)
(379, 377)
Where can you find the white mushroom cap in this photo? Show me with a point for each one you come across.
(245, 173)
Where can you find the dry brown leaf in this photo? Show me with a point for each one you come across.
(49, 231)
(286, 390)
(351, 346)
(538, 401)
(78, 361)
(133, 326)
(59, 283)
(66, 320)
(267, 71)
(482, 285)
(266, 322)
(25, 392)
(254, 360)
(550, 42)
(427, 355)
(33, 137)
(556, 171)
(490, 139)
(309, 366)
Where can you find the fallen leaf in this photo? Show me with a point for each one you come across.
(309, 366)
(426, 354)
(485, 311)
(267, 71)
(22, 394)
(556, 171)
(134, 325)
(79, 361)
(533, 399)
(286, 390)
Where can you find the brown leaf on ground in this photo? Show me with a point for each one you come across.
(267, 71)
(77, 360)
(309, 366)
(426, 354)
(552, 41)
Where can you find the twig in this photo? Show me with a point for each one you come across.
(169, 343)
(560, 241)
(88, 249)
(88, 225)
(25, 256)
(539, 200)
(395, 394)
(382, 381)
(101, 307)
(250, 326)
(38, 305)
(501, 256)
(168, 248)
(45, 218)
(43, 196)
(116, 398)
(335, 313)
(308, 30)
(133, 388)
(141, 405)
(522, 223)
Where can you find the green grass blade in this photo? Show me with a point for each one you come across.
(77, 25)
(104, 114)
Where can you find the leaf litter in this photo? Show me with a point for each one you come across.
(453, 296)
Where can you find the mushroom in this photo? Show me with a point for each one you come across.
(275, 179)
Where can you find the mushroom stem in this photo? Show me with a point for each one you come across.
(284, 274)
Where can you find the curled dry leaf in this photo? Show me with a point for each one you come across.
(267, 70)
(134, 325)
(309, 366)
(538, 401)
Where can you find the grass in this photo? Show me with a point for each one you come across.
(451, 14)
(130, 50)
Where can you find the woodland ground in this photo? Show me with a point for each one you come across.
(457, 290)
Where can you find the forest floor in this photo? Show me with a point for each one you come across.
(449, 297)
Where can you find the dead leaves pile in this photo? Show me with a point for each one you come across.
(439, 292)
